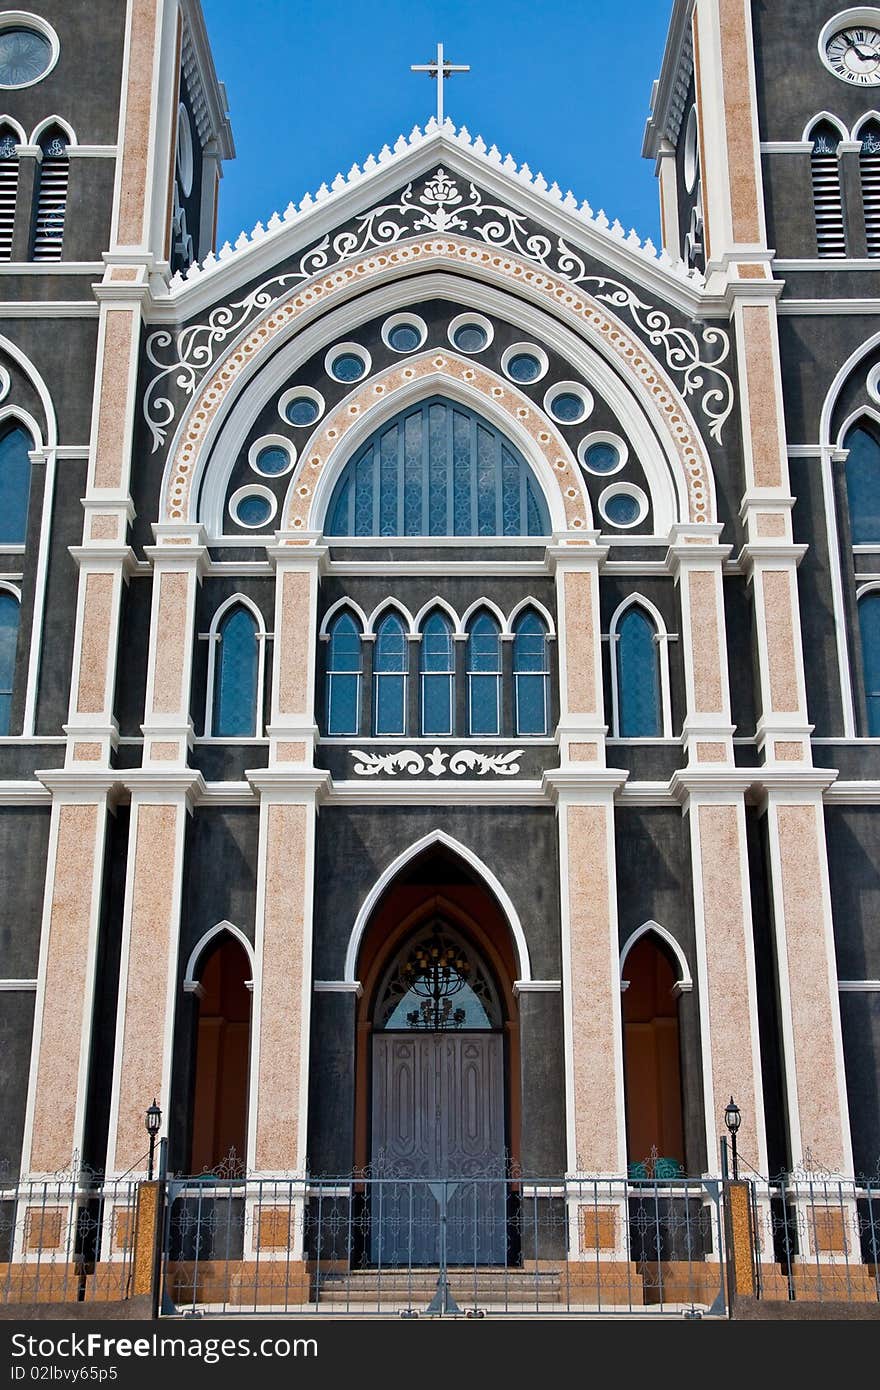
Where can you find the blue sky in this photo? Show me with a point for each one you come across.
(563, 85)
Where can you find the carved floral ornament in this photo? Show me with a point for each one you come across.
(545, 265)
(435, 763)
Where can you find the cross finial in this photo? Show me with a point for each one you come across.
(440, 69)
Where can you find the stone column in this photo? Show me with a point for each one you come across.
(712, 792)
(292, 727)
(582, 727)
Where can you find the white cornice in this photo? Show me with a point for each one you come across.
(207, 94)
(220, 276)
(670, 89)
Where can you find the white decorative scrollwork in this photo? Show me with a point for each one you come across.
(182, 358)
(436, 763)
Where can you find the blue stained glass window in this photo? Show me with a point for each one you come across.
(347, 367)
(390, 667)
(567, 407)
(404, 337)
(253, 509)
(273, 460)
(863, 484)
(639, 712)
(524, 367)
(602, 458)
(484, 675)
(437, 675)
(302, 410)
(9, 617)
(437, 469)
(531, 674)
(344, 676)
(869, 623)
(235, 676)
(24, 56)
(622, 509)
(470, 337)
(15, 485)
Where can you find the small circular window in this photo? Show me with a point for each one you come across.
(524, 363)
(602, 453)
(27, 52)
(470, 332)
(568, 402)
(271, 456)
(347, 362)
(252, 506)
(691, 151)
(404, 332)
(301, 406)
(623, 506)
(185, 163)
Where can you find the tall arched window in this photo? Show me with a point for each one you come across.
(437, 666)
(236, 675)
(15, 485)
(344, 676)
(639, 706)
(9, 620)
(8, 189)
(827, 201)
(863, 482)
(390, 668)
(869, 624)
(437, 469)
(51, 197)
(531, 674)
(869, 164)
(484, 675)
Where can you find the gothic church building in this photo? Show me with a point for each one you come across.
(440, 584)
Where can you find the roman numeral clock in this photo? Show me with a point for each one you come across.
(850, 47)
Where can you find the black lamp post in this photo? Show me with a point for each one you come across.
(153, 1122)
(733, 1120)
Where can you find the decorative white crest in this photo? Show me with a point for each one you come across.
(435, 763)
(442, 206)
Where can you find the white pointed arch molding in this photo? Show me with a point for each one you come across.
(591, 318)
(684, 984)
(191, 984)
(436, 837)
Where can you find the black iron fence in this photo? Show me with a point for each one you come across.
(817, 1238)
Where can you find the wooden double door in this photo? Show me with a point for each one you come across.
(438, 1148)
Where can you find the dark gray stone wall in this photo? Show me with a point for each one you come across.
(16, 1031)
(860, 1019)
(59, 622)
(24, 844)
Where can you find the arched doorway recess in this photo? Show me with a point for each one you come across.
(219, 1129)
(652, 1061)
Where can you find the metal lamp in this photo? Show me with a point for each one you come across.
(733, 1120)
(153, 1123)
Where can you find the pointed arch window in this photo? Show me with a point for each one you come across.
(390, 670)
(10, 613)
(639, 704)
(827, 200)
(863, 482)
(344, 666)
(236, 675)
(484, 675)
(869, 625)
(869, 166)
(531, 674)
(437, 469)
(51, 197)
(15, 485)
(8, 189)
(437, 666)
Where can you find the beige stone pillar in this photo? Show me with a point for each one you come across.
(696, 560)
(146, 1006)
(582, 728)
(292, 727)
(178, 560)
(56, 1104)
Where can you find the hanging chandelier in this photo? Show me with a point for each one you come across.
(435, 972)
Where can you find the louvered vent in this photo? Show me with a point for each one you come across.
(827, 202)
(51, 201)
(8, 192)
(870, 167)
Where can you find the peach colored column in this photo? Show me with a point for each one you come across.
(582, 728)
(595, 1116)
(148, 968)
(292, 726)
(696, 558)
(55, 1113)
(815, 1080)
(178, 561)
(279, 1069)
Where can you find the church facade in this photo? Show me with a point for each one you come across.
(440, 634)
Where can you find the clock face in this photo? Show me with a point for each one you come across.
(853, 55)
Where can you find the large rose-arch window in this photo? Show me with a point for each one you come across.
(437, 469)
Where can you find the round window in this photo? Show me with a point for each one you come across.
(602, 453)
(271, 456)
(26, 55)
(470, 332)
(272, 460)
(623, 506)
(524, 367)
(691, 152)
(301, 405)
(252, 507)
(568, 402)
(405, 338)
(567, 407)
(184, 151)
(347, 362)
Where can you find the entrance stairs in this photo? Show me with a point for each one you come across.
(402, 1290)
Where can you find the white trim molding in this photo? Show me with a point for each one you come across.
(191, 983)
(684, 984)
